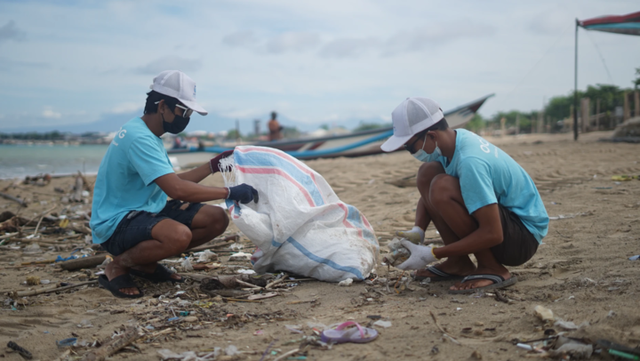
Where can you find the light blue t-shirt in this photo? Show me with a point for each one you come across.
(488, 175)
(125, 182)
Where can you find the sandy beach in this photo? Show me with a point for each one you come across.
(581, 272)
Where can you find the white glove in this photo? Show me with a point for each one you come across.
(420, 257)
(415, 235)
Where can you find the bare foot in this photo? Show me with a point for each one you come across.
(500, 271)
(150, 268)
(113, 270)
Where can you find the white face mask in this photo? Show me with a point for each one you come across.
(425, 157)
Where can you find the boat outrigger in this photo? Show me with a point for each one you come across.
(347, 145)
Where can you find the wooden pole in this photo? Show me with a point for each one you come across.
(503, 130)
(517, 124)
(636, 106)
(597, 114)
(575, 86)
(584, 113)
(627, 112)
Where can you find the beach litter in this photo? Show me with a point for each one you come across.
(20, 350)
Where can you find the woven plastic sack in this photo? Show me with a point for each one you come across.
(299, 223)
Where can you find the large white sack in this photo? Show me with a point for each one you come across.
(299, 223)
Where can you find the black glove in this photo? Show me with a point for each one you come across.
(243, 193)
(214, 163)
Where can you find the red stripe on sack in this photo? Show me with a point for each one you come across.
(281, 173)
(346, 222)
(281, 154)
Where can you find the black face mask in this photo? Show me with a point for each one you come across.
(178, 125)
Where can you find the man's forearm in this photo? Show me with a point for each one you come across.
(196, 175)
(478, 240)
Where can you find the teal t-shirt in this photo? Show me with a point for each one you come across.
(488, 175)
(125, 182)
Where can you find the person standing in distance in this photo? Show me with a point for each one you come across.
(275, 129)
(480, 200)
(131, 217)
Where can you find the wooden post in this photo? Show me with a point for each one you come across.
(627, 112)
(574, 121)
(597, 114)
(636, 106)
(584, 114)
(503, 131)
(517, 124)
(540, 121)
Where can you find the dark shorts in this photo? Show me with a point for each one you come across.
(136, 226)
(518, 245)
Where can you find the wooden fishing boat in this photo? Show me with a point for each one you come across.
(348, 145)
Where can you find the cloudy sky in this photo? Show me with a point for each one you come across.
(315, 62)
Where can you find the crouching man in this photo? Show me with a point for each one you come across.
(131, 217)
(480, 200)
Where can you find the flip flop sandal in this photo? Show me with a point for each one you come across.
(498, 282)
(440, 275)
(342, 334)
(161, 274)
(118, 283)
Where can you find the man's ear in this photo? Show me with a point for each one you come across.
(161, 104)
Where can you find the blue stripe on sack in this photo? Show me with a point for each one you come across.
(325, 261)
(354, 218)
(263, 159)
(318, 153)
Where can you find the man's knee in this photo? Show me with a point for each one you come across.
(172, 234)
(214, 218)
(427, 172)
(443, 188)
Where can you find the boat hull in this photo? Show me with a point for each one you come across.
(348, 145)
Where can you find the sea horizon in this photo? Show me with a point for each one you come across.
(21, 160)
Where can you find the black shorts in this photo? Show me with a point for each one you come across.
(136, 226)
(518, 245)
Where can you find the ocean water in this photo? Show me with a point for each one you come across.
(17, 161)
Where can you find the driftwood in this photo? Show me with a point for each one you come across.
(217, 243)
(112, 346)
(15, 199)
(85, 262)
(50, 289)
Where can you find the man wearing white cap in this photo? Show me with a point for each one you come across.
(131, 217)
(479, 199)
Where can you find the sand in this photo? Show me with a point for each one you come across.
(581, 273)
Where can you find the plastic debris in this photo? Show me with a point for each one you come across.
(294, 328)
(186, 264)
(544, 313)
(67, 342)
(240, 256)
(634, 258)
(346, 283)
(246, 272)
(575, 349)
(33, 248)
(568, 325)
(206, 256)
(231, 350)
(383, 324)
(24, 353)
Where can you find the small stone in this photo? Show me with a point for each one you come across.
(33, 280)
(476, 355)
(190, 319)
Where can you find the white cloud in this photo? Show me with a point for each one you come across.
(292, 41)
(126, 108)
(49, 113)
(348, 47)
(170, 62)
(241, 38)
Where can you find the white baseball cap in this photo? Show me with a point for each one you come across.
(412, 116)
(177, 84)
